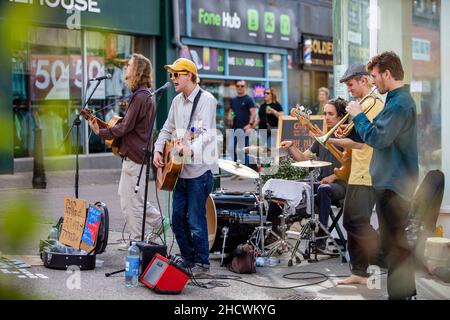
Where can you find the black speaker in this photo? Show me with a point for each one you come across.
(148, 250)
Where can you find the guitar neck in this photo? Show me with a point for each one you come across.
(87, 114)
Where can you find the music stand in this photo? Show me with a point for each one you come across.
(310, 228)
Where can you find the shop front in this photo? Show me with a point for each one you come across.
(311, 63)
(231, 40)
(60, 46)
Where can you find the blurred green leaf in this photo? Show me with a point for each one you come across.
(17, 224)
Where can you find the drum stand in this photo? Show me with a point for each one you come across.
(281, 241)
(308, 232)
(260, 233)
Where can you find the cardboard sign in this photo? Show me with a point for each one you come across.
(289, 128)
(74, 221)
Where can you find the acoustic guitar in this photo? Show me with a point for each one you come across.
(113, 143)
(166, 177)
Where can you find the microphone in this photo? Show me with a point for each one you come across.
(165, 86)
(107, 76)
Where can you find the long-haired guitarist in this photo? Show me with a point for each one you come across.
(133, 133)
(192, 123)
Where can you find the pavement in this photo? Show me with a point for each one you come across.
(280, 282)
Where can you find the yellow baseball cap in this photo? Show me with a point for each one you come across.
(182, 64)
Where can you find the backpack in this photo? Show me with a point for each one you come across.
(242, 259)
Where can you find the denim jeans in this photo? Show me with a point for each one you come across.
(189, 218)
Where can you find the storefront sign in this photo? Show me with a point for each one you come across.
(317, 51)
(138, 16)
(246, 64)
(208, 60)
(252, 21)
(59, 77)
(79, 5)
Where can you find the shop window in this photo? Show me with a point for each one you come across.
(275, 66)
(47, 85)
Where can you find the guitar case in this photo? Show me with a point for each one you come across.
(62, 261)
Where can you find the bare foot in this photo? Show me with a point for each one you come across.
(353, 279)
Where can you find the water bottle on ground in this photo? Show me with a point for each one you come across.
(132, 266)
(54, 234)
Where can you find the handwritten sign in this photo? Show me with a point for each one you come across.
(290, 129)
(74, 221)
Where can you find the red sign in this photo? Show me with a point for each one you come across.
(49, 77)
(59, 77)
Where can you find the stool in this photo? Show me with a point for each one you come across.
(334, 222)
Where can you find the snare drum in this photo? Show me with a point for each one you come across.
(238, 212)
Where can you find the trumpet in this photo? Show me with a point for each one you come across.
(368, 102)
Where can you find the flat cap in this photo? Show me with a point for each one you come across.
(355, 70)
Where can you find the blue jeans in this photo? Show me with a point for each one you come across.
(189, 218)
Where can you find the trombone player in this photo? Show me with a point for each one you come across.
(394, 167)
(362, 239)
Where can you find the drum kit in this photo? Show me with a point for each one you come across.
(235, 216)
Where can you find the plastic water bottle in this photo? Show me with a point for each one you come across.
(132, 266)
(53, 234)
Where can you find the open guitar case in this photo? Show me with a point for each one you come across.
(56, 260)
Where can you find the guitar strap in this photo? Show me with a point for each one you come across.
(197, 97)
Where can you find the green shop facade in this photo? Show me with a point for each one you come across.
(239, 40)
(50, 49)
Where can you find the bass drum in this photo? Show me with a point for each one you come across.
(238, 212)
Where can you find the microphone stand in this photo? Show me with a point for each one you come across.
(148, 156)
(76, 123)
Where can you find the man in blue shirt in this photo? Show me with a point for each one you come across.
(245, 111)
(394, 167)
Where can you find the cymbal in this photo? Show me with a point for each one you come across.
(238, 169)
(311, 164)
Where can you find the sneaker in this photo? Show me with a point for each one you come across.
(199, 270)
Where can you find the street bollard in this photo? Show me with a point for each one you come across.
(39, 180)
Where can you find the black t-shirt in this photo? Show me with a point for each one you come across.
(241, 107)
(271, 119)
(324, 155)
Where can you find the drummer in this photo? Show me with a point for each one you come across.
(330, 188)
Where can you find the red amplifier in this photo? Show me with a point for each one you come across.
(164, 276)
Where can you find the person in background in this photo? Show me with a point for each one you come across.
(322, 96)
(268, 114)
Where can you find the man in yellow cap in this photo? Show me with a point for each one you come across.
(192, 123)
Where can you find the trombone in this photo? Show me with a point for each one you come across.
(368, 102)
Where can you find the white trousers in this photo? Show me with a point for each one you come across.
(132, 203)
